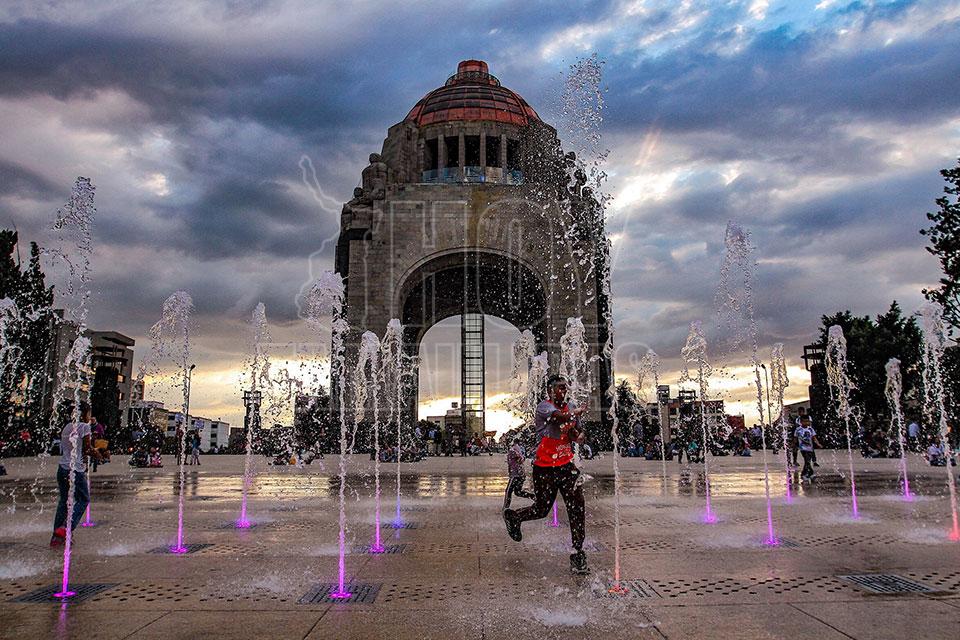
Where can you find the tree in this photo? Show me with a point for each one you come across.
(870, 345)
(944, 237)
(27, 338)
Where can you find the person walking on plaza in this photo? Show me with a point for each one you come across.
(74, 435)
(515, 462)
(557, 423)
(195, 448)
(806, 438)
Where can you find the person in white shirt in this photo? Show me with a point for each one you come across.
(75, 447)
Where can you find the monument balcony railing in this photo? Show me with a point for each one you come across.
(472, 174)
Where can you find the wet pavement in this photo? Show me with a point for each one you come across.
(453, 572)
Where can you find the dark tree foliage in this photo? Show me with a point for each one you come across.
(23, 380)
(944, 235)
(870, 345)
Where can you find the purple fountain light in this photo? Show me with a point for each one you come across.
(554, 522)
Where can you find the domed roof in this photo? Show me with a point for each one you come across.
(472, 93)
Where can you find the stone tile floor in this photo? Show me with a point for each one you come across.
(457, 575)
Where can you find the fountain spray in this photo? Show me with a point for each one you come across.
(894, 390)
(325, 299)
(735, 302)
(780, 382)
(391, 362)
(73, 224)
(839, 382)
(650, 366)
(934, 342)
(695, 353)
(259, 371)
(368, 359)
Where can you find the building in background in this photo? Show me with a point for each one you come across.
(675, 414)
(109, 383)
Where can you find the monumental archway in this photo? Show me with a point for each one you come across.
(462, 214)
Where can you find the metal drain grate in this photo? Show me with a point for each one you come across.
(388, 549)
(415, 508)
(6, 545)
(887, 583)
(359, 594)
(46, 594)
(402, 525)
(190, 548)
(635, 589)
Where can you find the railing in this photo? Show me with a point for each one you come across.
(455, 175)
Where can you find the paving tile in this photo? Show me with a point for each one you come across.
(731, 622)
(46, 622)
(190, 625)
(340, 623)
(879, 619)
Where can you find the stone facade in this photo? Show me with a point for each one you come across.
(427, 237)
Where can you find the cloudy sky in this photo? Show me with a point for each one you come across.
(819, 126)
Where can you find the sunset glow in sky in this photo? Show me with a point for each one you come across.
(819, 126)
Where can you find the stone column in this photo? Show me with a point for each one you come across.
(461, 159)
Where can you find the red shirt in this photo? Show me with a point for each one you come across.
(555, 448)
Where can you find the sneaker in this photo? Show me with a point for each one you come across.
(513, 526)
(59, 537)
(578, 563)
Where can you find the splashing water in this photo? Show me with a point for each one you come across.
(894, 390)
(839, 382)
(391, 376)
(934, 342)
(370, 383)
(73, 226)
(326, 298)
(735, 309)
(259, 371)
(694, 352)
(779, 383)
(650, 367)
(574, 363)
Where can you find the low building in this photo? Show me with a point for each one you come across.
(671, 412)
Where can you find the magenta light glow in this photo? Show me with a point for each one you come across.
(955, 534)
(88, 523)
(64, 594)
(377, 548)
(555, 522)
(709, 517)
(772, 542)
(341, 595)
(178, 549)
(243, 524)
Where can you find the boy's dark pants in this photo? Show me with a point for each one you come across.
(515, 487)
(546, 482)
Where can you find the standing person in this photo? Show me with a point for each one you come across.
(557, 422)
(913, 431)
(73, 434)
(195, 442)
(97, 432)
(515, 459)
(806, 438)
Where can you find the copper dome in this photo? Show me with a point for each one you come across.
(472, 93)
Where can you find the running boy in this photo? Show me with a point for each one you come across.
(557, 422)
(515, 458)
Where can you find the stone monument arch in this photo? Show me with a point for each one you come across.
(466, 211)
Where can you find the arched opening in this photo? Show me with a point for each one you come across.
(471, 285)
(440, 376)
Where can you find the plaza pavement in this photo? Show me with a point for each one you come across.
(456, 574)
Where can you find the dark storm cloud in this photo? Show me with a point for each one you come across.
(15, 179)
